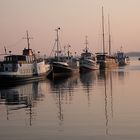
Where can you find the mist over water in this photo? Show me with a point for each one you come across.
(95, 105)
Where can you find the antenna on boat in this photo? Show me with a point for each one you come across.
(121, 48)
(103, 34)
(28, 39)
(86, 42)
(109, 35)
(5, 50)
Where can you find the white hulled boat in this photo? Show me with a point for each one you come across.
(88, 60)
(18, 68)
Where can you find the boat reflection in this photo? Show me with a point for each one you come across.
(66, 85)
(23, 97)
(88, 80)
(62, 91)
(106, 77)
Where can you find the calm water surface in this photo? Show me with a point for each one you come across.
(97, 105)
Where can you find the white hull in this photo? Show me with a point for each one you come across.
(88, 64)
(24, 71)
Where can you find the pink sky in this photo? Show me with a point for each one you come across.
(77, 18)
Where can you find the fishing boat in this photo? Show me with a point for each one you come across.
(104, 59)
(122, 58)
(24, 67)
(88, 60)
(63, 64)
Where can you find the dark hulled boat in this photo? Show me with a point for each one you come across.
(66, 68)
(62, 64)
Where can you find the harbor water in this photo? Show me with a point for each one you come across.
(100, 105)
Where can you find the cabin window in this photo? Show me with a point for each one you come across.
(10, 58)
(14, 58)
(6, 69)
(21, 58)
(7, 58)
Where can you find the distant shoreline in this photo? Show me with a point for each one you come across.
(133, 54)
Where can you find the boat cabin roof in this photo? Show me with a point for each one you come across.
(86, 54)
(101, 53)
(14, 58)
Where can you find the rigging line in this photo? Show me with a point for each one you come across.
(53, 48)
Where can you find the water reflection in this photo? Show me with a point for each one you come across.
(22, 97)
(62, 90)
(91, 104)
(88, 80)
(106, 77)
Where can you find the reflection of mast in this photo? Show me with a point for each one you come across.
(30, 111)
(106, 105)
(88, 97)
(86, 79)
(108, 100)
(63, 92)
(60, 112)
(7, 112)
(87, 85)
(111, 88)
(33, 95)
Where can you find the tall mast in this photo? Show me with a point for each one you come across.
(57, 40)
(109, 35)
(28, 39)
(86, 42)
(103, 34)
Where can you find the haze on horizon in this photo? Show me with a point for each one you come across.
(76, 18)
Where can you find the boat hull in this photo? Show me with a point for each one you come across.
(122, 59)
(105, 64)
(106, 61)
(88, 65)
(21, 76)
(60, 70)
(16, 79)
(123, 63)
(87, 69)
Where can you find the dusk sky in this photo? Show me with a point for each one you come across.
(76, 18)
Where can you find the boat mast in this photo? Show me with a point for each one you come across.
(109, 35)
(28, 39)
(86, 42)
(57, 40)
(103, 34)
